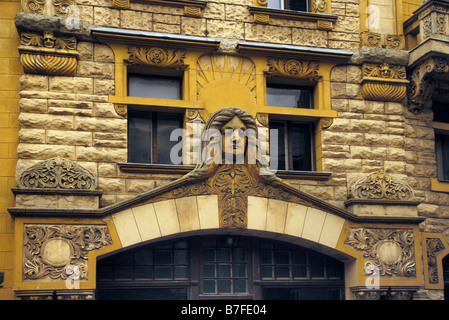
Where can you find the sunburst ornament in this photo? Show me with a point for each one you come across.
(226, 81)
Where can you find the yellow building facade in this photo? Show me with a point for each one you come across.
(192, 149)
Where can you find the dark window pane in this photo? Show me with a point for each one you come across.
(163, 272)
(282, 272)
(301, 146)
(265, 257)
(181, 272)
(223, 254)
(240, 286)
(143, 257)
(208, 254)
(279, 145)
(104, 273)
(289, 96)
(299, 257)
(143, 272)
(442, 152)
(154, 87)
(224, 270)
(209, 286)
(239, 254)
(166, 124)
(139, 137)
(298, 5)
(224, 286)
(266, 272)
(281, 257)
(181, 257)
(239, 270)
(123, 273)
(299, 272)
(162, 257)
(209, 270)
(317, 271)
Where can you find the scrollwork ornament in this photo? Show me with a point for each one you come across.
(434, 247)
(293, 68)
(157, 57)
(378, 185)
(390, 251)
(57, 173)
(33, 6)
(58, 251)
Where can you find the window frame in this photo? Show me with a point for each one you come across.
(154, 133)
(288, 143)
(292, 86)
(285, 5)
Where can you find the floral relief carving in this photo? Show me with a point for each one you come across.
(63, 8)
(156, 57)
(390, 252)
(434, 247)
(420, 88)
(383, 70)
(377, 40)
(60, 251)
(57, 173)
(379, 185)
(293, 68)
(47, 40)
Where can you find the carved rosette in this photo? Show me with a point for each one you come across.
(48, 54)
(384, 82)
(379, 185)
(293, 69)
(60, 252)
(121, 4)
(387, 252)
(57, 173)
(420, 89)
(157, 57)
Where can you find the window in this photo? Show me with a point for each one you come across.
(220, 267)
(149, 136)
(150, 86)
(297, 5)
(289, 96)
(294, 145)
(442, 153)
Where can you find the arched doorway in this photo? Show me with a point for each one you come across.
(220, 267)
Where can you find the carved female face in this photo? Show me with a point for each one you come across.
(233, 139)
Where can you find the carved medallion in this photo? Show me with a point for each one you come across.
(389, 251)
(293, 68)
(156, 57)
(59, 251)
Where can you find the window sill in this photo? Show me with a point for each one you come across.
(326, 19)
(154, 168)
(299, 112)
(184, 169)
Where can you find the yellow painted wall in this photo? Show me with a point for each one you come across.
(408, 6)
(10, 72)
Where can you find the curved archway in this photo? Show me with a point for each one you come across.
(219, 264)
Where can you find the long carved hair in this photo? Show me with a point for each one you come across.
(216, 121)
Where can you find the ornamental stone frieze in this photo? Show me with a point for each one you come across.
(433, 19)
(60, 252)
(61, 8)
(59, 174)
(57, 183)
(421, 85)
(434, 248)
(379, 185)
(156, 57)
(384, 82)
(378, 40)
(387, 253)
(292, 68)
(48, 54)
